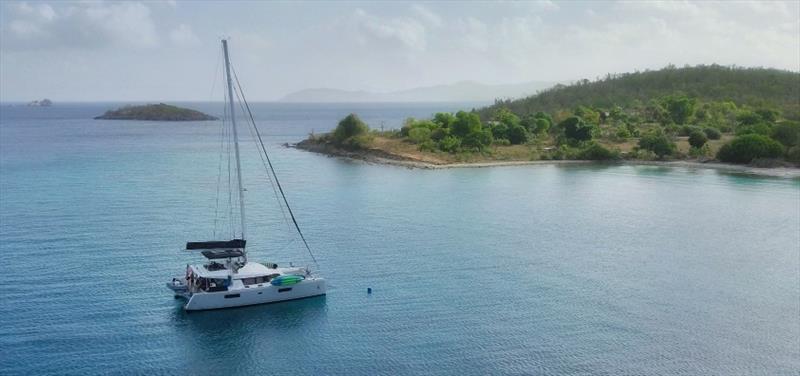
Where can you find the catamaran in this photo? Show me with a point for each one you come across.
(228, 279)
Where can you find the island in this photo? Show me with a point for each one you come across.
(40, 103)
(155, 112)
(724, 117)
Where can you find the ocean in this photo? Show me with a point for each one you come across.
(595, 269)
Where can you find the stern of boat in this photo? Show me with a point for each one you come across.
(179, 288)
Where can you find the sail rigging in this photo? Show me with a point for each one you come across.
(228, 279)
(239, 186)
(230, 137)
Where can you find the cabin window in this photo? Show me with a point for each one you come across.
(285, 289)
(230, 296)
(255, 280)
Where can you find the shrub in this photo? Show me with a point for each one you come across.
(361, 141)
(658, 143)
(427, 145)
(787, 133)
(673, 129)
(746, 117)
(697, 139)
(702, 151)
(744, 149)
(686, 130)
(768, 114)
(623, 133)
(712, 133)
(632, 129)
(450, 144)
(597, 152)
(349, 127)
(763, 129)
(793, 154)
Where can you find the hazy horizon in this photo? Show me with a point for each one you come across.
(169, 51)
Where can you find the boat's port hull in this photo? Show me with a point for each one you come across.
(255, 295)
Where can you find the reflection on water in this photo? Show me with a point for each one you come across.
(245, 332)
(283, 315)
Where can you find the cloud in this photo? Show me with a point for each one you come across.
(545, 5)
(183, 36)
(474, 34)
(427, 16)
(409, 32)
(80, 25)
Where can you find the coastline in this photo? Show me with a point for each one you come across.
(376, 156)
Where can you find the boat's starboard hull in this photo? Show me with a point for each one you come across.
(256, 295)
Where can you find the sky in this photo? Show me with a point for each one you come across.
(169, 50)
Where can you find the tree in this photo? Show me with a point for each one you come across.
(538, 123)
(543, 115)
(500, 131)
(680, 108)
(575, 128)
(697, 138)
(517, 135)
(478, 139)
(658, 143)
(349, 127)
(744, 149)
(419, 135)
(542, 126)
(439, 133)
(588, 115)
(466, 123)
(444, 119)
(505, 116)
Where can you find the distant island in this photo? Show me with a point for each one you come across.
(464, 91)
(722, 116)
(155, 112)
(42, 103)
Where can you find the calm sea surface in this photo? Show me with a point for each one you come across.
(509, 270)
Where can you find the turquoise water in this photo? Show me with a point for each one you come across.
(510, 270)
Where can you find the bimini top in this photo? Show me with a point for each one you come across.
(216, 244)
(222, 253)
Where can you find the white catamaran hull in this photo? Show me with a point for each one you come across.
(255, 295)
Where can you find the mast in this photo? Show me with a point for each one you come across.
(235, 135)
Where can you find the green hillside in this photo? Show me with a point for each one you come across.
(756, 87)
(155, 112)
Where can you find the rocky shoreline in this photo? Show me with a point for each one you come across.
(377, 156)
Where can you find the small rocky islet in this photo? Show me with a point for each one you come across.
(155, 112)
